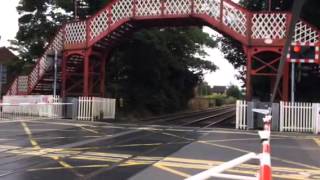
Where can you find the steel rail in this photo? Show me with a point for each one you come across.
(208, 117)
(220, 120)
(189, 115)
(185, 113)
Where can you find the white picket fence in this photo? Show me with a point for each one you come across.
(241, 115)
(91, 108)
(299, 117)
(317, 118)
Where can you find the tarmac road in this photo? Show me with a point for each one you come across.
(66, 149)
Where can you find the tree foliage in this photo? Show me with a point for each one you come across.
(158, 69)
(40, 19)
(234, 91)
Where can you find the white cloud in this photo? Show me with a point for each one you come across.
(226, 74)
(8, 21)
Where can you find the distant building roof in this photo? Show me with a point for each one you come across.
(6, 55)
(219, 89)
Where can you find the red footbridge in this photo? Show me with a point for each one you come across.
(85, 46)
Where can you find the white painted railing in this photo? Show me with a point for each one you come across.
(297, 117)
(91, 108)
(241, 115)
(31, 107)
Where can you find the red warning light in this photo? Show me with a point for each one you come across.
(297, 49)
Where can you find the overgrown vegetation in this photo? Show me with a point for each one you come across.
(232, 94)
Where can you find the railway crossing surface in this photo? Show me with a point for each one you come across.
(66, 149)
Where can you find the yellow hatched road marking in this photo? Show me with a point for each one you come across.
(164, 164)
(179, 173)
(168, 163)
(66, 124)
(274, 158)
(207, 163)
(135, 145)
(253, 172)
(173, 135)
(224, 146)
(28, 132)
(91, 158)
(37, 147)
(317, 140)
(129, 163)
(61, 137)
(74, 167)
(87, 129)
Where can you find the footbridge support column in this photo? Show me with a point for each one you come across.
(262, 68)
(86, 73)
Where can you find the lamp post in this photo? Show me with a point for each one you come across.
(75, 4)
(1, 77)
(270, 2)
(292, 81)
(1, 69)
(55, 72)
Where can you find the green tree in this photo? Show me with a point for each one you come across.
(234, 91)
(203, 89)
(154, 71)
(40, 19)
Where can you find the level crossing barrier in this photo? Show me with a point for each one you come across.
(265, 170)
(92, 108)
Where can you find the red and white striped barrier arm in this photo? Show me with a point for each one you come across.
(265, 159)
(265, 172)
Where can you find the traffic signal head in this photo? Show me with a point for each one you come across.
(302, 52)
(297, 49)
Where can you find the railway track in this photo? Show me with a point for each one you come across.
(214, 117)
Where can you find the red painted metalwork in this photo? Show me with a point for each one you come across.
(64, 74)
(103, 73)
(285, 83)
(260, 64)
(258, 32)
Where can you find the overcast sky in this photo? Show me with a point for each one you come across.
(225, 75)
